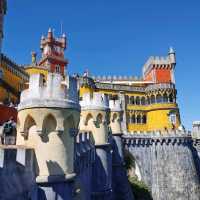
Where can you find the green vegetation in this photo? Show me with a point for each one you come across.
(139, 189)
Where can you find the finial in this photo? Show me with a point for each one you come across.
(50, 30)
(42, 37)
(171, 50)
(64, 35)
(33, 57)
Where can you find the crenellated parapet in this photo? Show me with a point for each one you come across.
(160, 62)
(84, 151)
(96, 101)
(55, 92)
(116, 78)
(95, 116)
(116, 117)
(48, 118)
(115, 106)
(155, 138)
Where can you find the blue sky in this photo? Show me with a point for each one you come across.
(114, 37)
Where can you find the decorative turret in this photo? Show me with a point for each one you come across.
(47, 121)
(172, 56)
(116, 116)
(94, 116)
(196, 129)
(53, 53)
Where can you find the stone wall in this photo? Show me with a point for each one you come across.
(167, 165)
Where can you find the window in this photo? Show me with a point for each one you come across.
(57, 68)
(172, 117)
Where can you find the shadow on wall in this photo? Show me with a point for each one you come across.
(139, 188)
(16, 180)
(120, 184)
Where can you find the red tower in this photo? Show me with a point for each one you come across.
(53, 53)
(160, 69)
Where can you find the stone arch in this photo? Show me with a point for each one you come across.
(144, 119)
(171, 98)
(114, 117)
(159, 98)
(133, 119)
(128, 118)
(153, 99)
(148, 100)
(29, 123)
(143, 101)
(165, 98)
(139, 119)
(137, 100)
(88, 118)
(99, 118)
(49, 124)
(132, 100)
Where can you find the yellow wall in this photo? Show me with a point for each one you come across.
(157, 117)
(35, 70)
(157, 114)
(13, 80)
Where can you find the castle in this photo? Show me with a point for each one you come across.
(72, 131)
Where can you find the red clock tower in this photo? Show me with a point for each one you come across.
(53, 53)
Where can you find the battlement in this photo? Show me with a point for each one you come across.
(115, 105)
(196, 130)
(97, 101)
(149, 138)
(56, 92)
(160, 62)
(116, 78)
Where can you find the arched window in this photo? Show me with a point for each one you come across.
(165, 98)
(99, 119)
(153, 100)
(148, 100)
(137, 100)
(139, 119)
(171, 98)
(57, 69)
(128, 119)
(29, 122)
(143, 100)
(127, 99)
(159, 98)
(49, 124)
(88, 118)
(132, 100)
(172, 117)
(114, 118)
(133, 119)
(144, 119)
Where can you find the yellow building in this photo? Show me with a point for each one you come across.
(149, 103)
(13, 80)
